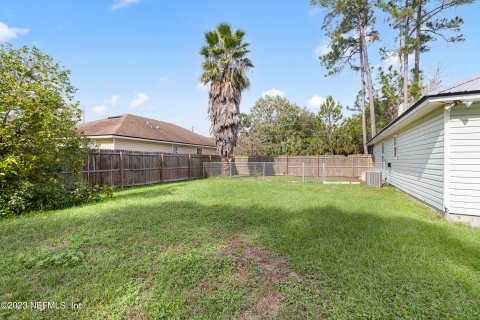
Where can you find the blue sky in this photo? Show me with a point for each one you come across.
(141, 56)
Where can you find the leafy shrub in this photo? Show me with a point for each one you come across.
(50, 195)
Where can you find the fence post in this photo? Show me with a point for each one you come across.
(122, 171)
(264, 170)
(286, 171)
(111, 170)
(88, 168)
(318, 166)
(189, 166)
(323, 172)
(303, 172)
(162, 164)
(353, 166)
(230, 165)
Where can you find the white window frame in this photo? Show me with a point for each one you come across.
(199, 150)
(174, 149)
(395, 147)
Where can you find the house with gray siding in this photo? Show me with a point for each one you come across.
(432, 151)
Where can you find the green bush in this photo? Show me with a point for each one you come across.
(50, 195)
(39, 142)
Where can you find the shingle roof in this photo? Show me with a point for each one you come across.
(467, 85)
(129, 125)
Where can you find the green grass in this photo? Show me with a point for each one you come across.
(221, 248)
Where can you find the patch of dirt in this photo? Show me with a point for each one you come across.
(135, 313)
(257, 270)
(177, 247)
(267, 307)
(86, 246)
(195, 242)
(275, 268)
(53, 244)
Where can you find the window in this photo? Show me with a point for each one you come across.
(174, 149)
(383, 155)
(199, 151)
(395, 151)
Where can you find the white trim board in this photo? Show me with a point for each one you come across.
(110, 136)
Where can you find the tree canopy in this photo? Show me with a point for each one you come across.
(38, 140)
(276, 126)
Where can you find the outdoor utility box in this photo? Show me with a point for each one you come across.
(373, 179)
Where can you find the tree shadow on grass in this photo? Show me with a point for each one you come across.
(365, 264)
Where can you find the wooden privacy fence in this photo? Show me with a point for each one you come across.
(123, 168)
(350, 166)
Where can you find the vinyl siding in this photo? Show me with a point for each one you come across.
(418, 169)
(377, 156)
(464, 193)
(147, 146)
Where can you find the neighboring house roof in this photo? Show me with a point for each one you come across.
(432, 100)
(129, 125)
(462, 86)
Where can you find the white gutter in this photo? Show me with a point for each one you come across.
(110, 136)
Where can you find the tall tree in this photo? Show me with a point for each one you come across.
(390, 93)
(329, 116)
(329, 120)
(429, 26)
(224, 69)
(285, 127)
(349, 24)
(418, 23)
(38, 114)
(364, 106)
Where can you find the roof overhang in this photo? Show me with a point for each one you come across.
(421, 108)
(111, 136)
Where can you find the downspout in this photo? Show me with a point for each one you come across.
(446, 160)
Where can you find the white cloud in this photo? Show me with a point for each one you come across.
(162, 79)
(202, 87)
(138, 99)
(123, 3)
(315, 102)
(392, 60)
(114, 100)
(100, 109)
(322, 50)
(7, 33)
(274, 93)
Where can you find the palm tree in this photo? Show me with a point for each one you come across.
(224, 69)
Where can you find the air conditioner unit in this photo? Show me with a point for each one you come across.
(373, 179)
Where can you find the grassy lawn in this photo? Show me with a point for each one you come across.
(246, 248)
